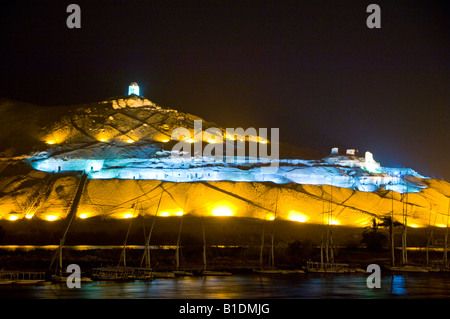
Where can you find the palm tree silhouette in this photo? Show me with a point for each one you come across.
(388, 222)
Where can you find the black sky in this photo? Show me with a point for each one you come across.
(311, 68)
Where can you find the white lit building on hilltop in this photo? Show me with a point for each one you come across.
(133, 88)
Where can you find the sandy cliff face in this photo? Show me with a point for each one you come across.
(123, 145)
(124, 198)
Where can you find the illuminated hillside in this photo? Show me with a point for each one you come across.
(124, 145)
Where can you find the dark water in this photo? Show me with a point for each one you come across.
(247, 287)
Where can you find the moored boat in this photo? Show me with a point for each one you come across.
(330, 268)
(206, 272)
(268, 271)
(115, 273)
(21, 277)
(62, 277)
(407, 268)
(293, 271)
(180, 273)
(215, 273)
(163, 274)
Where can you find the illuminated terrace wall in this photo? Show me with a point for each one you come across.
(301, 203)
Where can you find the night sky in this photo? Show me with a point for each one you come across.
(311, 68)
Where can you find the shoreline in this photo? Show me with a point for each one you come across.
(232, 243)
(235, 260)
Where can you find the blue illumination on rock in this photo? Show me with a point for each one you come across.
(346, 172)
(131, 138)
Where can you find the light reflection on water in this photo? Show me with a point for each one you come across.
(248, 287)
(81, 247)
(398, 285)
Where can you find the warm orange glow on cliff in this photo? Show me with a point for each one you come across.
(335, 222)
(84, 215)
(169, 214)
(58, 135)
(222, 210)
(297, 216)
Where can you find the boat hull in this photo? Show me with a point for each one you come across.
(59, 278)
(291, 272)
(181, 273)
(162, 274)
(215, 273)
(407, 269)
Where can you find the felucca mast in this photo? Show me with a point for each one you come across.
(204, 247)
(123, 256)
(430, 236)
(321, 242)
(392, 231)
(147, 242)
(262, 245)
(177, 252)
(331, 224)
(446, 237)
(72, 214)
(405, 223)
(272, 253)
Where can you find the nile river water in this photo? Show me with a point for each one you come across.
(248, 286)
(238, 286)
